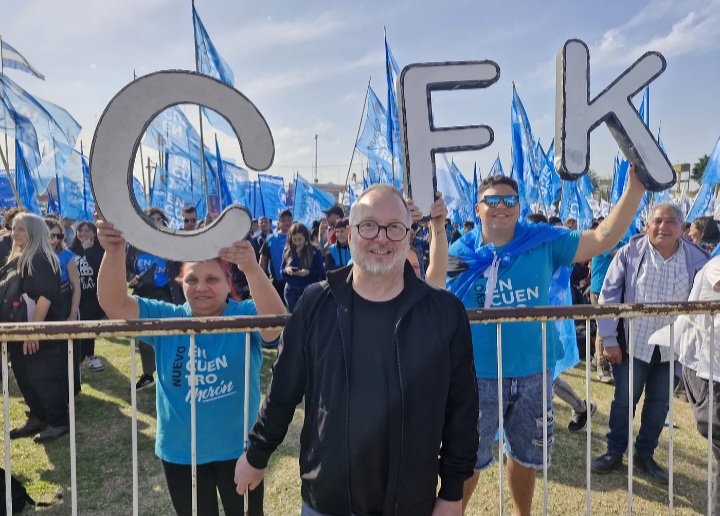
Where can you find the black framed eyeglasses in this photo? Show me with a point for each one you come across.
(493, 201)
(59, 236)
(369, 229)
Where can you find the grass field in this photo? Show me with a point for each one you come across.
(104, 458)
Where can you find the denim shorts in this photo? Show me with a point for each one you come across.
(523, 419)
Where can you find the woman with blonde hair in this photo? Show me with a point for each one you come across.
(39, 367)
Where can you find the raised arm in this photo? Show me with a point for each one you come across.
(267, 301)
(437, 269)
(614, 227)
(112, 289)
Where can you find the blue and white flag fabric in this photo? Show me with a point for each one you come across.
(475, 188)
(52, 205)
(55, 129)
(620, 181)
(11, 58)
(24, 185)
(210, 63)
(644, 109)
(549, 182)
(393, 120)
(237, 182)
(172, 130)
(574, 205)
(373, 141)
(497, 168)
(7, 197)
(310, 202)
(525, 170)
(702, 204)
(453, 194)
(139, 194)
(71, 188)
(712, 170)
(272, 195)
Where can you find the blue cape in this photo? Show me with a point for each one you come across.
(470, 257)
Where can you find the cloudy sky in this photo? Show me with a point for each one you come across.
(306, 64)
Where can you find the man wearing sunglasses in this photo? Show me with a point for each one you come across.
(190, 218)
(505, 262)
(384, 363)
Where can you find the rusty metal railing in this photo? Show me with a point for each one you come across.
(196, 326)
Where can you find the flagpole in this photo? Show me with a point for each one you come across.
(357, 136)
(202, 136)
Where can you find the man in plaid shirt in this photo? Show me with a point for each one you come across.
(655, 267)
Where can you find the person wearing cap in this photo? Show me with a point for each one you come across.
(338, 254)
(332, 215)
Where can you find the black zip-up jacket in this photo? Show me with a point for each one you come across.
(433, 397)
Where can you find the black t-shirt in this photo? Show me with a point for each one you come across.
(371, 358)
(44, 282)
(88, 263)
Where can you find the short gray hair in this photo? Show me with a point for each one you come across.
(671, 206)
(382, 188)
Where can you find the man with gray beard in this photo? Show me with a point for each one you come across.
(385, 365)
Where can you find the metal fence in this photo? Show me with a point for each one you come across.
(499, 316)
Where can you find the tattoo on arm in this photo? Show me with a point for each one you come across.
(604, 230)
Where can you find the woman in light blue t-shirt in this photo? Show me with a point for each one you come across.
(219, 365)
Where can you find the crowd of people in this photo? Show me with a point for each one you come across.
(399, 388)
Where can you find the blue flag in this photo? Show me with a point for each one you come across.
(52, 206)
(392, 70)
(171, 130)
(11, 58)
(455, 198)
(272, 195)
(139, 194)
(497, 168)
(523, 155)
(310, 202)
(712, 170)
(549, 182)
(7, 197)
(574, 205)
(620, 181)
(24, 185)
(225, 196)
(373, 142)
(71, 188)
(663, 196)
(702, 203)
(475, 188)
(644, 109)
(210, 63)
(237, 182)
(55, 130)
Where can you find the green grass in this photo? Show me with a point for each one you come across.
(104, 458)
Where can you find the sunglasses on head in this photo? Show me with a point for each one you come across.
(493, 201)
(57, 235)
(188, 221)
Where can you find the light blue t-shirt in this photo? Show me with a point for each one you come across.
(600, 265)
(65, 256)
(524, 283)
(276, 244)
(220, 369)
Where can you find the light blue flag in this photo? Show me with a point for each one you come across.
(548, 185)
(574, 205)
(237, 181)
(475, 188)
(11, 58)
(465, 190)
(621, 183)
(171, 130)
(72, 190)
(702, 203)
(712, 170)
(523, 155)
(210, 63)
(272, 195)
(392, 70)
(139, 194)
(24, 185)
(88, 199)
(310, 202)
(225, 197)
(373, 141)
(52, 205)
(497, 168)
(7, 197)
(56, 131)
(454, 198)
(644, 109)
